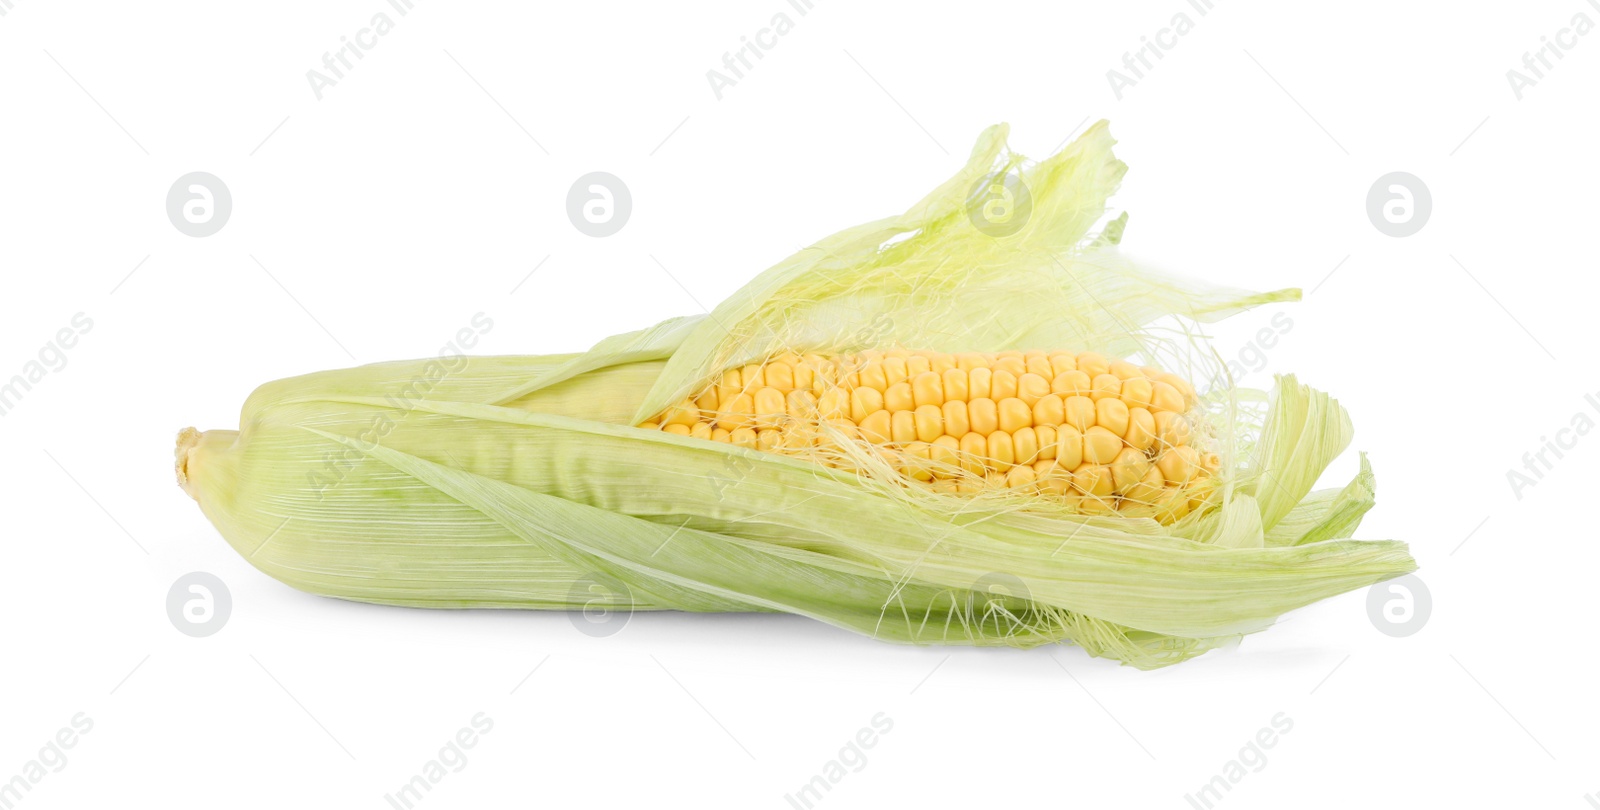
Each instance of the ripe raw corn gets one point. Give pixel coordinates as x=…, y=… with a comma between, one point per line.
x=871, y=433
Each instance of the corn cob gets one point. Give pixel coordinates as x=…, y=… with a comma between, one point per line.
x=1102, y=435
x=788, y=452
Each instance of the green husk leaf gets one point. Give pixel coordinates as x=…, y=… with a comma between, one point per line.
x=1328, y=514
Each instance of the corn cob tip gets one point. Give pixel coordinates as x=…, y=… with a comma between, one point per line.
x=188, y=440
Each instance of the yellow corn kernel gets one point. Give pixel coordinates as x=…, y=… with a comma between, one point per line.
x=846, y=428
x=873, y=376
x=918, y=364
x=1105, y=385
x=1147, y=490
x=1060, y=363
x=974, y=446
x=676, y=429
x=980, y=383
x=1047, y=440
x=945, y=453
x=1079, y=412
x=1049, y=410
x=744, y=437
x=1178, y=464
x=894, y=371
x=768, y=439
x=954, y=383
x=801, y=404
x=1025, y=444
x=1071, y=383
x=1001, y=453
x=927, y=389
x=1031, y=388
x=728, y=387
x=983, y=416
x=1054, y=480
x=1100, y=446
x=1171, y=505
x=779, y=374
x=1039, y=364
x=833, y=403
x=736, y=412
x=701, y=430
x=1124, y=370
x=1141, y=429
x=1014, y=414
x=1002, y=384
x=1093, y=364
x=955, y=418
x=1136, y=392
x=1093, y=479
x=1129, y=469
x=684, y=413
x=898, y=397
x=751, y=377
x=929, y=421
x=1112, y=415
x=916, y=461
x=1069, y=447
x=1011, y=364
x=876, y=427
x=1172, y=429
x=864, y=402
x=1166, y=398
x=1021, y=476
x=805, y=374
x=769, y=408
x=903, y=427
x=1095, y=505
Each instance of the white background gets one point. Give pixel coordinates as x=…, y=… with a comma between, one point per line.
x=427, y=184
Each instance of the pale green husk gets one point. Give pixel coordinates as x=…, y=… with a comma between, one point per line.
x=518, y=481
